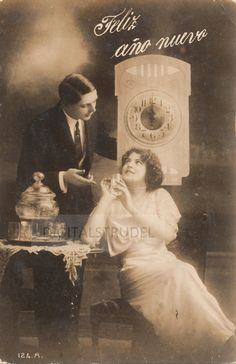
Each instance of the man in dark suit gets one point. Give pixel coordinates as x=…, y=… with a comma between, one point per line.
x=60, y=143
x=49, y=146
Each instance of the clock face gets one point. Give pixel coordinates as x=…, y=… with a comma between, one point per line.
x=152, y=117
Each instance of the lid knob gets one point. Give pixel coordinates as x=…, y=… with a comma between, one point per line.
x=38, y=177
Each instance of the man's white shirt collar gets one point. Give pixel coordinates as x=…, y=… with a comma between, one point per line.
x=71, y=123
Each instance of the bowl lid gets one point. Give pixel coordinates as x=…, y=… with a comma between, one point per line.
x=38, y=189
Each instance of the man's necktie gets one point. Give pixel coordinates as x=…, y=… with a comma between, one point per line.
x=78, y=146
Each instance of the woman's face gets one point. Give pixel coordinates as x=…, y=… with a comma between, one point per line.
x=134, y=170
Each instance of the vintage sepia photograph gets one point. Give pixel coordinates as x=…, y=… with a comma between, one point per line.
x=118, y=182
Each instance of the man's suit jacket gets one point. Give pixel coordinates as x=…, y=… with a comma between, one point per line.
x=48, y=147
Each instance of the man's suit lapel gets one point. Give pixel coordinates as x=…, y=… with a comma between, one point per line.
x=63, y=133
x=63, y=136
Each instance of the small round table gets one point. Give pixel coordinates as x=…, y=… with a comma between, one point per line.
x=73, y=254
x=58, y=275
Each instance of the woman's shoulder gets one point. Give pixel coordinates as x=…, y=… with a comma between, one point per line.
x=162, y=194
x=165, y=203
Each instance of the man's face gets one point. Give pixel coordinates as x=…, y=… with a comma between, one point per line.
x=84, y=108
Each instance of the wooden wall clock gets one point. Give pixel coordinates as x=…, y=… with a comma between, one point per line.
x=153, y=110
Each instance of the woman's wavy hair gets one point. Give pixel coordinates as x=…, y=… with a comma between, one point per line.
x=154, y=174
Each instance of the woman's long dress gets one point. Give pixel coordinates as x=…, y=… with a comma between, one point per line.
x=166, y=290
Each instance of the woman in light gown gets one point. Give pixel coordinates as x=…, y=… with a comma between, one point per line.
x=139, y=219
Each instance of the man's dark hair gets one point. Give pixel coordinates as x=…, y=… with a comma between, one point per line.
x=73, y=87
x=154, y=174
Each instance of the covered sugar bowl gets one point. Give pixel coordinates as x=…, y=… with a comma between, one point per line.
x=37, y=201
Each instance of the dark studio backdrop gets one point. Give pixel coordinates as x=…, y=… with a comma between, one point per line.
x=42, y=41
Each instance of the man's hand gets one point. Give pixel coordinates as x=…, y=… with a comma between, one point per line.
x=74, y=177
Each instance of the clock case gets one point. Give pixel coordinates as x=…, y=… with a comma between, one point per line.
x=153, y=92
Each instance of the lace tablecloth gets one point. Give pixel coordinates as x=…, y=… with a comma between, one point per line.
x=73, y=252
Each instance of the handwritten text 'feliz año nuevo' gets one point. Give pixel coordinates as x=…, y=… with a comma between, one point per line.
x=126, y=20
